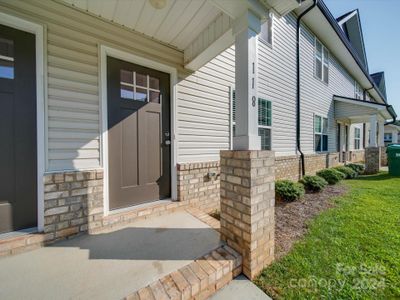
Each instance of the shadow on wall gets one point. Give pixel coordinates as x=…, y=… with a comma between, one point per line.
x=140, y=243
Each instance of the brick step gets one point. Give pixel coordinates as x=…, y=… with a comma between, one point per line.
x=198, y=280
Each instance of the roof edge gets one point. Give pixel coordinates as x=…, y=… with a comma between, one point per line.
x=335, y=25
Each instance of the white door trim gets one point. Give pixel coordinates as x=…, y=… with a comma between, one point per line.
x=38, y=31
x=129, y=57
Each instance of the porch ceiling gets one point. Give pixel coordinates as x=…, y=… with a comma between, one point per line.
x=358, y=111
x=177, y=24
x=201, y=29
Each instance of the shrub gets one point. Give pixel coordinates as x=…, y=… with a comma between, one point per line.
x=288, y=191
x=356, y=167
x=349, y=172
x=332, y=176
x=314, y=183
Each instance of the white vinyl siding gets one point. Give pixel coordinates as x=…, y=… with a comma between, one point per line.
x=73, y=110
x=317, y=96
x=203, y=110
x=277, y=83
x=203, y=97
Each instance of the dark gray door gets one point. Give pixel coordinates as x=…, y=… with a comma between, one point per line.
x=18, y=165
x=138, y=134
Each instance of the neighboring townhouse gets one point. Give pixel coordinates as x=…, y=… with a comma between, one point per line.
x=335, y=106
x=121, y=104
x=392, y=133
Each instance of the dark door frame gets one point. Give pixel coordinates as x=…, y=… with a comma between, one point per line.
x=106, y=51
x=41, y=78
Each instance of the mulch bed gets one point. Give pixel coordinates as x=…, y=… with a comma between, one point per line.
x=291, y=218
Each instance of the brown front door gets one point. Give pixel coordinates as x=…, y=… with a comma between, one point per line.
x=18, y=169
x=138, y=134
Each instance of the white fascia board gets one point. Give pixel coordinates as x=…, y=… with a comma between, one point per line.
x=377, y=106
x=347, y=18
x=380, y=108
x=236, y=8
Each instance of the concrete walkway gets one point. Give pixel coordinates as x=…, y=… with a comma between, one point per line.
x=240, y=289
x=107, y=266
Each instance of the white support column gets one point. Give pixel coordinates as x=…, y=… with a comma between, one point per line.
x=245, y=30
x=373, y=121
x=395, y=136
x=381, y=133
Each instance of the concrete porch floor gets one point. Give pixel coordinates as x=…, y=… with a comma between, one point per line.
x=110, y=265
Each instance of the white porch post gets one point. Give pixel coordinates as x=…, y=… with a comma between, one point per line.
x=246, y=29
x=395, y=136
x=381, y=134
x=373, y=120
x=373, y=152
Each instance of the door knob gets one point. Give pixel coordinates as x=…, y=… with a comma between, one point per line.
x=167, y=142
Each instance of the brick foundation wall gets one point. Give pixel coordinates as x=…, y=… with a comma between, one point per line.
x=289, y=167
x=357, y=156
x=197, y=187
x=73, y=202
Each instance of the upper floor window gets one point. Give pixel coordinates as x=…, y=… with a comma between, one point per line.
x=358, y=91
x=266, y=30
x=321, y=62
x=357, y=138
x=264, y=121
x=320, y=134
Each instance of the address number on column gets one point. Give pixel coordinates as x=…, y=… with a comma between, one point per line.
x=253, y=101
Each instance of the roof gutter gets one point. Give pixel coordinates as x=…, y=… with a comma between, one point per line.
x=298, y=110
x=332, y=21
x=392, y=112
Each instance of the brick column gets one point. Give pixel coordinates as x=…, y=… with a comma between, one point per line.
x=247, y=206
x=384, y=159
x=372, y=160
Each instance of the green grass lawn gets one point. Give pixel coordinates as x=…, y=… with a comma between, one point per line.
x=350, y=252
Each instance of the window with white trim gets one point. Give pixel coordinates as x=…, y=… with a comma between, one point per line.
x=321, y=54
x=357, y=138
x=139, y=87
x=358, y=91
x=320, y=134
x=267, y=30
x=264, y=121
